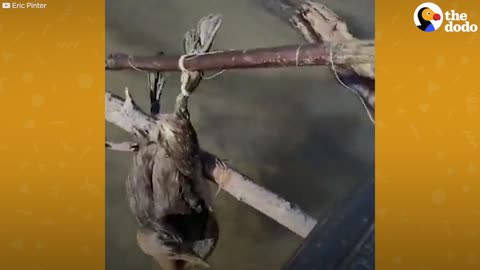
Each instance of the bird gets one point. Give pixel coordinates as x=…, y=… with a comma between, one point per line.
x=425, y=15
x=169, y=196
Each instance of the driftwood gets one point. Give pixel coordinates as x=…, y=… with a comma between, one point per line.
x=318, y=24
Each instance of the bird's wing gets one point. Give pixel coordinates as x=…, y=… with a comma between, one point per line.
x=139, y=185
x=168, y=184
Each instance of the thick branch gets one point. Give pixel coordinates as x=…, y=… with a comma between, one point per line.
x=354, y=52
x=244, y=190
x=126, y=115
x=132, y=119
x=317, y=23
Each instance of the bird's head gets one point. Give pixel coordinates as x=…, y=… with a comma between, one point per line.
x=427, y=14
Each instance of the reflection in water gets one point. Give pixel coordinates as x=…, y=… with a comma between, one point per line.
x=295, y=131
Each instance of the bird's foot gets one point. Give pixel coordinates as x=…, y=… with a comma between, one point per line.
x=221, y=163
x=140, y=133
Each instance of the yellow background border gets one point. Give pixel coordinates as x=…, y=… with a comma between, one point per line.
x=52, y=139
x=427, y=141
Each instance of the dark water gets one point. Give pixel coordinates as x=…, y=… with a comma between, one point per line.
x=295, y=131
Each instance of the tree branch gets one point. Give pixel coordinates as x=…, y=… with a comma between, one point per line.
x=346, y=53
x=319, y=24
x=132, y=119
x=127, y=116
x=245, y=190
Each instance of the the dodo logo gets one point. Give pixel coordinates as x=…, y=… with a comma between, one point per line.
x=428, y=17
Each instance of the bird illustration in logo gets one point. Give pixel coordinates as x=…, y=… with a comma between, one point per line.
x=425, y=16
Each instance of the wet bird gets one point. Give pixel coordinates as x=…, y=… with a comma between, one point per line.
x=169, y=196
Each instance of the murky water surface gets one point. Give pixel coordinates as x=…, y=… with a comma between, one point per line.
x=295, y=131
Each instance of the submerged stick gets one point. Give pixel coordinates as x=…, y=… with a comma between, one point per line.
x=354, y=52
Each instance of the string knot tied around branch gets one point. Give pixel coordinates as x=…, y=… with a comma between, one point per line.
x=197, y=41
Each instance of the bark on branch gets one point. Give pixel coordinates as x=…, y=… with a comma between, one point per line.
x=346, y=53
x=126, y=115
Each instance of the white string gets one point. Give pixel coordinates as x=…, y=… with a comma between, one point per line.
x=181, y=66
x=132, y=66
x=181, y=63
x=297, y=53
x=214, y=75
x=183, y=88
x=181, y=60
x=349, y=88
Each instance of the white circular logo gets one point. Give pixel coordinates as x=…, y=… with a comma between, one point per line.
x=428, y=17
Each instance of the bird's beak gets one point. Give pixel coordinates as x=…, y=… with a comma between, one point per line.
x=437, y=17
